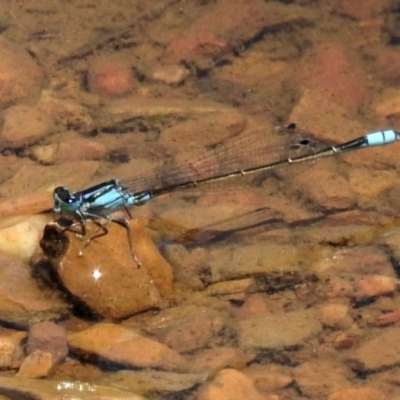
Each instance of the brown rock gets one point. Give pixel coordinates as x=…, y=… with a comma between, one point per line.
x=11, y=354
x=215, y=359
x=37, y=365
x=226, y=27
x=230, y=384
x=361, y=10
x=186, y=328
x=23, y=125
x=20, y=76
x=365, y=393
x=335, y=71
x=376, y=285
x=376, y=354
x=169, y=74
x=48, y=337
x=107, y=273
x=110, y=77
x=276, y=331
x=123, y=346
x=335, y=315
x=317, y=379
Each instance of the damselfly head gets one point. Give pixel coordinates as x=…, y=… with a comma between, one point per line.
x=64, y=201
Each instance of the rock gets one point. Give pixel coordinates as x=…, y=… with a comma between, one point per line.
x=376, y=285
x=22, y=301
x=212, y=360
x=109, y=76
x=67, y=112
x=230, y=384
x=227, y=27
x=364, y=9
x=277, y=331
x=119, y=345
x=71, y=151
x=21, y=239
x=169, y=74
x=376, y=354
x=269, y=378
x=102, y=275
x=335, y=315
x=11, y=353
x=365, y=393
x=38, y=364
x=156, y=382
x=318, y=378
x=23, y=125
x=30, y=179
x=48, y=337
x=20, y=76
x=336, y=71
x=186, y=328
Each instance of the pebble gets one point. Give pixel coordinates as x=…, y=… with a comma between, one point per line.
x=222, y=30
x=186, y=328
x=23, y=125
x=68, y=113
x=277, y=331
x=119, y=345
x=335, y=70
x=21, y=239
x=318, y=378
x=230, y=384
x=169, y=74
x=335, y=315
x=34, y=178
x=22, y=301
x=376, y=285
x=109, y=76
x=204, y=131
x=102, y=275
x=71, y=151
x=361, y=10
x=154, y=382
x=21, y=77
x=383, y=351
x=37, y=364
x=11, y=352
x=212, y=360
x=48, y=337
x=364, y=393
x=269, y=378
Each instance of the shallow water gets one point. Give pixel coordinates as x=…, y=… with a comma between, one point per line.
x=283, y=285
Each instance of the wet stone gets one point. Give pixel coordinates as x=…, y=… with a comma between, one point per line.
x=10, y=350
x=317, y=379
x=104, y=276
x=24, y=124
x=186, y=328
x=230, y=384
x=123, y=346
x=156, y=381
x=381, y=352
x=37, y=365
x=279, y=330
x=48, y=337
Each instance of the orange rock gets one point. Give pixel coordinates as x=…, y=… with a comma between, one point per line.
x=110, y=77
x=103, y=274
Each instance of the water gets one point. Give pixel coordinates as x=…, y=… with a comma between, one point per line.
x=309, y=295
